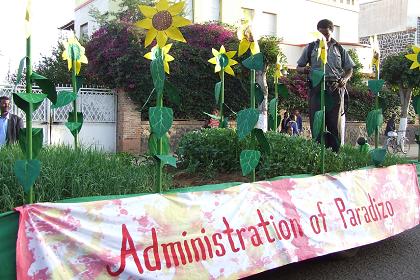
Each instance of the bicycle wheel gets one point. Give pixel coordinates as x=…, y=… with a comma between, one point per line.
x=390, y=145
x=405, y=145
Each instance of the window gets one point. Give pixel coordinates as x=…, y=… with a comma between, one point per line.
x=336, y=33
x=268, y=24
x=84, y=33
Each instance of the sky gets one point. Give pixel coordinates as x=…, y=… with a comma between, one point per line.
x=47, y=16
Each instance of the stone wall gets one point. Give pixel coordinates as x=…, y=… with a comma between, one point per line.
x=133, y=134
x=395, y=42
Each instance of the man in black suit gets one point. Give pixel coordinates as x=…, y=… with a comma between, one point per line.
x=10, y=124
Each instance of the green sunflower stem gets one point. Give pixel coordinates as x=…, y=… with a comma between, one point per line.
x=74, y=85
x=30, y=195
x=376, y=108
x=253, y=107
x=159, y=164
x=276, y=96
x=323, y=122
x=222, y=98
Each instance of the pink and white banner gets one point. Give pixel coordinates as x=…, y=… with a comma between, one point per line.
x=227, y=234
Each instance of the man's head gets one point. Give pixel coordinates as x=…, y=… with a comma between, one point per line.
x=326, y=27
x=296, y=112
x=4, y=105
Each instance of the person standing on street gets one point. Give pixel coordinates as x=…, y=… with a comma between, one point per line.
x=10, y=124
x=338, y=71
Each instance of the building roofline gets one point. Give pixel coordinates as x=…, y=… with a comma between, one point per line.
x=83, y=4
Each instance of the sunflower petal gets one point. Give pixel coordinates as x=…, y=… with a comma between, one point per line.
x=69, y=64
x=230, y=54
x=144, y=23
x=174, y=33
x=169, y=57
x=255, y=48
x=151, y=34
x=148, y=55
x=176, y=9
x=222, y=49
x=166, y=48
x=166, y=66
x=214, y=52
x=217, y=68
x=179, y=21
x=243, y=46
x=78, y=66
x=232, y=62
x=83, y=59
x=416, y=49
x=161, y=39
x=411, y=56
x=229, y=70
x=147, y=11
x=162, y=5
x=212, y=60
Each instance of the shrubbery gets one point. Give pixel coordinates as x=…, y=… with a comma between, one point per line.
x=219, y=149
x=66, y=173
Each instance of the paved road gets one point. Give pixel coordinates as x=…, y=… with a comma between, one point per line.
x=395, y=258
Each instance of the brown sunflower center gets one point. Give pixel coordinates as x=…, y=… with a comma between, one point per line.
x=162, y=20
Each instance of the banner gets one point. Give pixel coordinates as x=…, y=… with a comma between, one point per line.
x=229, y=233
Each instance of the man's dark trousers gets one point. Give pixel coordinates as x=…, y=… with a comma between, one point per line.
x=334, y=103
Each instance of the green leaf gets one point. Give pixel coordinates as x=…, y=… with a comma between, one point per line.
x=157, y=70
x=64, y=98
x=153, y=142
x=27, y=171
x=317, y=126
x=246, y=121
x=46, y=85
x=375, y=86
x=20, y=71
x=262, y=140
x=23, y=104
x=217, y=91
x=212, y=116
x=259, y=94
x=249, y=160
x=271, y=123
x=73, y=126
x=378, y=156
x=316, y=77
x=416, y=104
x=160, y=119
x=283, y=90
x=37, y=140
x=374, y=121
x=255, y=62
x=167, y=160
x=32, y=98
x=272, y=107
x=173, y=93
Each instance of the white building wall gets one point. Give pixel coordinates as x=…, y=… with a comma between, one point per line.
x=413, y=13
x=385, y=16
x=81, y=15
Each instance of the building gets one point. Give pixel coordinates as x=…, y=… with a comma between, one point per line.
x=396, y=22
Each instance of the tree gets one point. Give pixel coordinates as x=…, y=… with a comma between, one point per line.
x=396, y=72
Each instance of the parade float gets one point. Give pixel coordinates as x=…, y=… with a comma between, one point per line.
x=224, y=231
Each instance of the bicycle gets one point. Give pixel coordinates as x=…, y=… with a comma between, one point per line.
x=393, y=146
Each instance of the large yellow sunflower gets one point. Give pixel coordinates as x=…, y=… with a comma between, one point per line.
x=414, y=57
x=74, y=51
x=162, y=21
x=223, y=60
x=166, y=56
x=248, y=41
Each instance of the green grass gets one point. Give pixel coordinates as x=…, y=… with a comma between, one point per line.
x=66, y=173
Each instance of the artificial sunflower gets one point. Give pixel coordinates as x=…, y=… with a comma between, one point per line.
x=322, y=50
x=248, y=41
x=73, y=51
x=162, y=22
x=279, y=67
x=414, y=57
x=374, y=43
x=166, y=56
x=223, y=60
x=28, y=30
